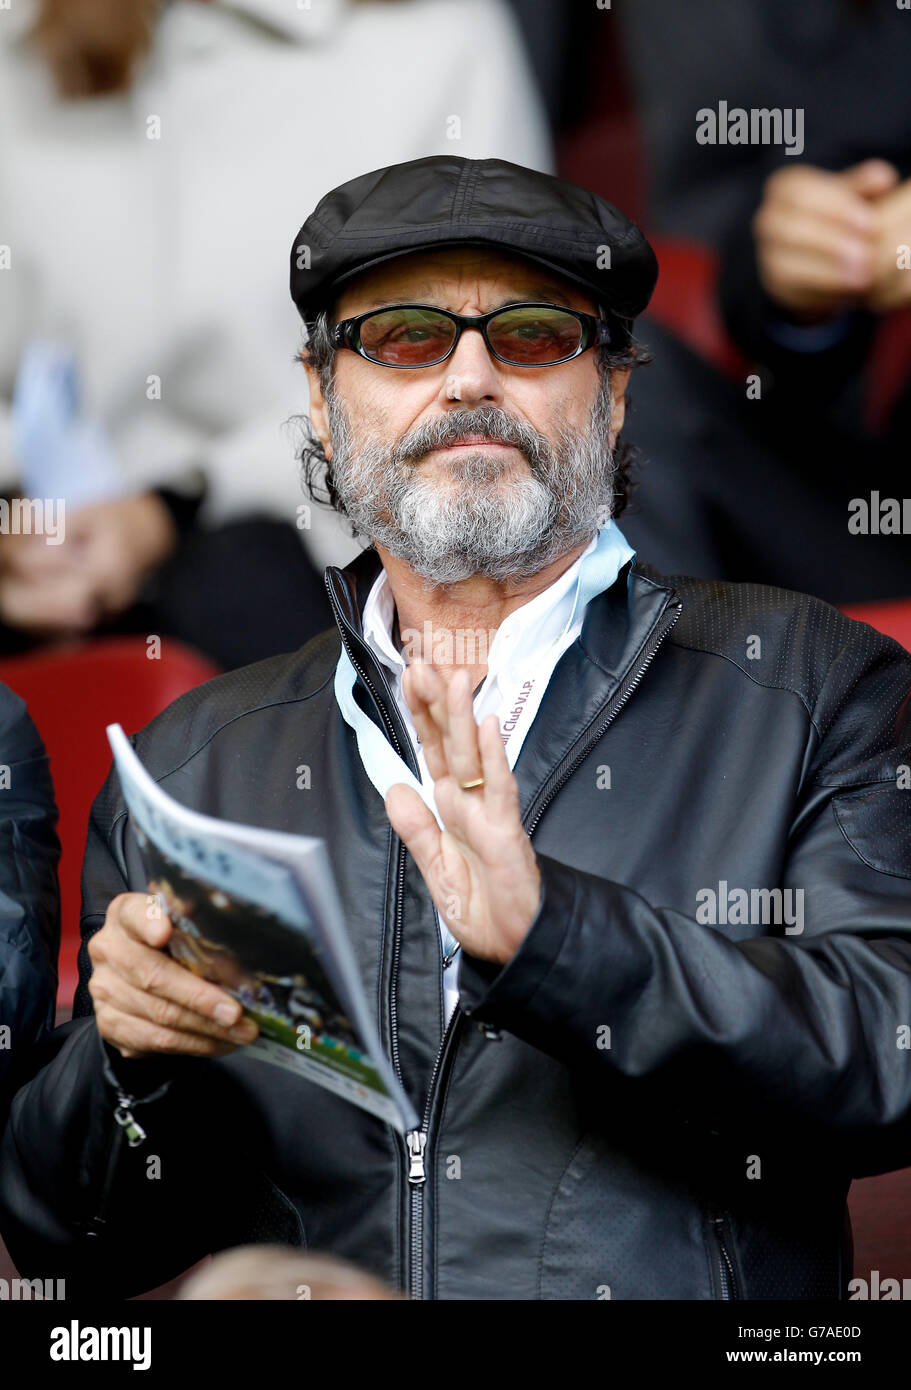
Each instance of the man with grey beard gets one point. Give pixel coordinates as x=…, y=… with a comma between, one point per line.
x=522, y=828
x=563, y=497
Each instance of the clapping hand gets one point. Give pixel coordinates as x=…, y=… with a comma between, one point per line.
x=481, y=870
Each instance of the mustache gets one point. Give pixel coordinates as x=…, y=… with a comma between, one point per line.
x=490, y=421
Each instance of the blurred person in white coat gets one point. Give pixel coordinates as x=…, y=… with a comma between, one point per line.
x=148, y=366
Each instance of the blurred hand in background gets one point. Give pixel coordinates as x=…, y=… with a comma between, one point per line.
x=892, y=277
x=109, y=551
x=825, y=241
x=112, y=539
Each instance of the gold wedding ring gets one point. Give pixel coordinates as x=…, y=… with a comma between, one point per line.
x=472, y=785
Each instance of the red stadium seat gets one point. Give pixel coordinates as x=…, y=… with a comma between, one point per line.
x=892, y=616
x=72, y=693
x=880, y=1210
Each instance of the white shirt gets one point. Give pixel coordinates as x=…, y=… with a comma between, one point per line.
x=152, y=230
x=526, y=648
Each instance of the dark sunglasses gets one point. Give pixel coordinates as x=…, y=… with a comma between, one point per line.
x=418, y=335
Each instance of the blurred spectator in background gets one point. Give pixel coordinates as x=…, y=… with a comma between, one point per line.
x=558, y=39
x=752, y=474
x=843, y=62
x=29, y=899
x=267, y=1272
x=147, y=345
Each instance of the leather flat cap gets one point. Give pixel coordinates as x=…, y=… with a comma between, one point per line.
x=445, y=200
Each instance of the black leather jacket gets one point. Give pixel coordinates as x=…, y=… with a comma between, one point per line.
x=699, y=738
x=29, y=894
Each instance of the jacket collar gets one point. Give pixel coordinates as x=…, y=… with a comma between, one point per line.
x=622, y=625
x=357, y=579
x=623, y=628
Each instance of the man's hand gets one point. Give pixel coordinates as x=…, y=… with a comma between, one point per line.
x=109, y=550
x=145, y=1003
x=818, y=236
x=892, y=284
x=481, y=869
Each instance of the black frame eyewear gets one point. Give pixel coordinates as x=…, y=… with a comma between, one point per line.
x=347, y=333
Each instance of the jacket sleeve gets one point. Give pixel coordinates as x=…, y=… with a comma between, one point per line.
x=29, y=896
x=76, y=1200
x=782, y=1038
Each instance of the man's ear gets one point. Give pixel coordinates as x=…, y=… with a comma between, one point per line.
x=618, y=380
x=319, y=415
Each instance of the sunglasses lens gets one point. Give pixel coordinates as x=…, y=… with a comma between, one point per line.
x=406, y=337
x=534, y=336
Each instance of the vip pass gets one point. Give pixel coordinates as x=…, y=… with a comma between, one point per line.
x=516, y=713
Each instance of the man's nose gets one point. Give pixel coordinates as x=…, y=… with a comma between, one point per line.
x=470, y=374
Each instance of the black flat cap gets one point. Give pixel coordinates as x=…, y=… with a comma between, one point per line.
x=445, y=200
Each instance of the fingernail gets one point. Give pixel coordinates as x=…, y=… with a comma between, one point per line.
x=226, y=1014
x=245, y=1031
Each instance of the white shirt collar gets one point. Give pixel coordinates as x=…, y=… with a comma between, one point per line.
x=524, y=633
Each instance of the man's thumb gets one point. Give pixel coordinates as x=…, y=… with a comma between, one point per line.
x=871, y=178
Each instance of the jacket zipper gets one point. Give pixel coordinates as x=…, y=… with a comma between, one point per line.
x=125, y=1127
x=726, y=1276
x=416, y=1140
x=370, y=684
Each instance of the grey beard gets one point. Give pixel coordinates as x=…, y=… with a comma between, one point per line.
x=503, y=530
